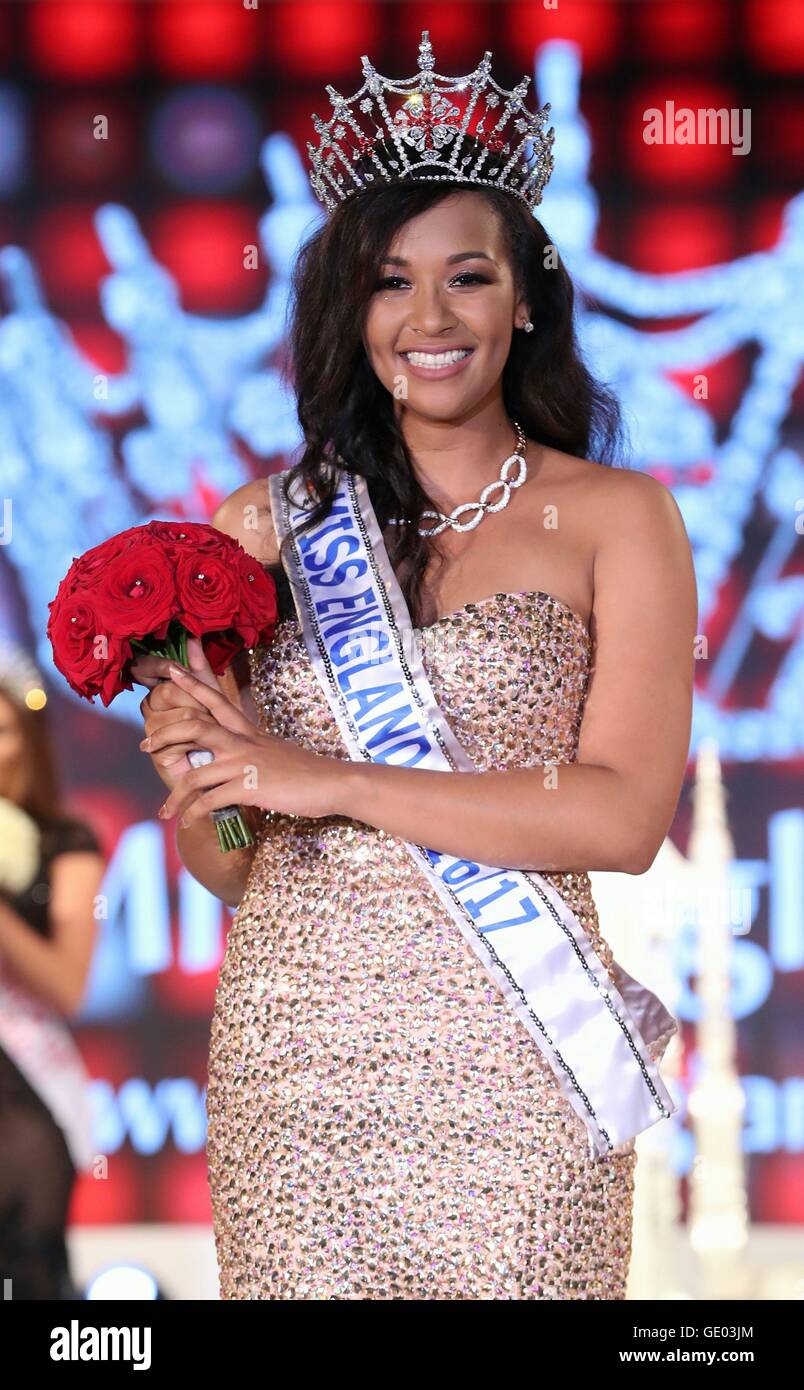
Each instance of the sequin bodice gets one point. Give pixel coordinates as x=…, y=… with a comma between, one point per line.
x=381, y=1124
x=510, y=674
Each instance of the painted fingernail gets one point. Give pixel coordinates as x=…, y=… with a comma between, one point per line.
x=175, y=671
x=162, y=812
x=146, y=743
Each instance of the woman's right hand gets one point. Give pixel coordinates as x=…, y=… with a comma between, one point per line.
x=165, y=703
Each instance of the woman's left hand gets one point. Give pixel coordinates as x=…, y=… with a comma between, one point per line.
x=250, y=768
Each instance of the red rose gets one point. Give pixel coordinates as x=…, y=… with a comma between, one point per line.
x=188, y=535
x=206, y=592
x=220, y=648
x=71, y=581
x=137, y=596
x=73, y=630
x=86, y=569
x=120, y=650
x=256, y=616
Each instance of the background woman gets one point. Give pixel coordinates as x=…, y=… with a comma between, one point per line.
x=47, y=935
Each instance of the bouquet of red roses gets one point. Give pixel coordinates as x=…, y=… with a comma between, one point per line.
x=145, y=590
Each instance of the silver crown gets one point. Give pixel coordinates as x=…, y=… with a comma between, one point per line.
x=428, y=132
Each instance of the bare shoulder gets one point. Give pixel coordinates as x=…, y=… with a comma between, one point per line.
x=582, y=485
x=628, y=500
x=626, y=531
x=246, y=515
x=642, y=553
x=608, y=500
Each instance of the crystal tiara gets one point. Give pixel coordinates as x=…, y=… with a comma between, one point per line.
x=427, y=134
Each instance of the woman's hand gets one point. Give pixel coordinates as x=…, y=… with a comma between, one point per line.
x=250, y=768
x=167, y=705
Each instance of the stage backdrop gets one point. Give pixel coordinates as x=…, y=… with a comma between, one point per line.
x=153, y=197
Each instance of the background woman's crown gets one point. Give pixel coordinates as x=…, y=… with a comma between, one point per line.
x=426, y=138
x=19, y=674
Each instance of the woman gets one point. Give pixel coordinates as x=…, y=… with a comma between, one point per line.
x=381, y=1123
x=47, y=933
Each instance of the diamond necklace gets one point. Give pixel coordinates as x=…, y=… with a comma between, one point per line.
x=483, y=505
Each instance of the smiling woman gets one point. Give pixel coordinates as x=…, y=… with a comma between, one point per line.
x=426, y=1069
x=439, y=359
x=436, y=268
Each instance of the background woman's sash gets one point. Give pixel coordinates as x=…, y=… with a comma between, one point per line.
x=43, y=1050
x=358, y=631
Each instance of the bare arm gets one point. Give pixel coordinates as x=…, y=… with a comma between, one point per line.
x=612, y=809
x=56, y=968
x=223, y=875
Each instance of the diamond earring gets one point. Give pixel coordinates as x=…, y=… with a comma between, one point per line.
x=528, y=327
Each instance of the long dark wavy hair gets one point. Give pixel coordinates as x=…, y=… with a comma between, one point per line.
x=347, y=415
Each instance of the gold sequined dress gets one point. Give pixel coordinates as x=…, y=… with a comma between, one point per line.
x=380, y=1124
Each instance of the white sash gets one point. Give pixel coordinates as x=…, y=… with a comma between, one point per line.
x=354, y=618
x=42, y=1048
